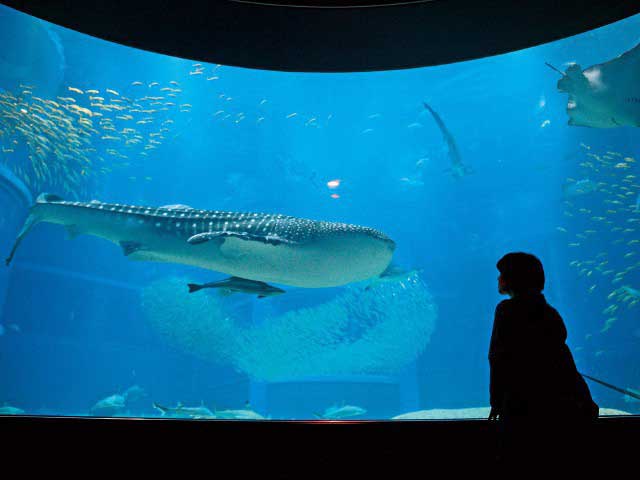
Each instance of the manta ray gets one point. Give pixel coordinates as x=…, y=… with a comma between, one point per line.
x=606, y=95
x=254, y=246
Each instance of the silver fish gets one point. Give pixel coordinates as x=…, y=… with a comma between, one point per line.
x=255, y=246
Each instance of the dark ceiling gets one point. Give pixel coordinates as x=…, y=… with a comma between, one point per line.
x=330, y=36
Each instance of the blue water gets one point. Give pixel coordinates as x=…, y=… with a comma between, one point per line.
x=81, y=322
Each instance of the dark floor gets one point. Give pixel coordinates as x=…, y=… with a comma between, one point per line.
x=278, y=449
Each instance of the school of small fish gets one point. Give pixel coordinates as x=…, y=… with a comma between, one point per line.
x=602, y=231
x=65, y=143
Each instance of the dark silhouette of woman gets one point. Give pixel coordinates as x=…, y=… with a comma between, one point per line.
x=542, y=404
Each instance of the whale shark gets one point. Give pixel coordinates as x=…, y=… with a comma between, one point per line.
x=255, y=246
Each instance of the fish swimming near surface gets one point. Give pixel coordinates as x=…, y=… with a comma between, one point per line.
x=458, y=168
x=253, y=246
x=242, y=285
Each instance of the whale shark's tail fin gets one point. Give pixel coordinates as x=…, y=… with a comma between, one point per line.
x=31, y=220
x=26, y=228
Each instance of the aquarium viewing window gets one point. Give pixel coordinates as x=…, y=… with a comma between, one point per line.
x=195, y=240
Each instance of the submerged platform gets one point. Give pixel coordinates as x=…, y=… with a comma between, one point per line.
x=282, y=449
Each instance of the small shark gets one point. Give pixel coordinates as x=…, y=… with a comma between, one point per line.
x=458, y=169
x=180, y=411
x=245, y=414
x=253, y=246
x=336, y=413
x=134, y=393
x=110, y=406
x=7, y=409
x=236, y=284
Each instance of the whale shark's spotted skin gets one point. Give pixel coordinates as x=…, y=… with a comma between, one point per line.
x=189, y=221
x=256, y=246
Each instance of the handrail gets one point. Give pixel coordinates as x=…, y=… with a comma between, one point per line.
x=612, y=387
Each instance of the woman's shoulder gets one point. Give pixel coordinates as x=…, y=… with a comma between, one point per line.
x=505, y=306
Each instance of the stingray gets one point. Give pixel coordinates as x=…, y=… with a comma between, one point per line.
x=605, y=95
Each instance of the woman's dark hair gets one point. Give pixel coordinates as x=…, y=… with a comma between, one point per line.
x=522, y=272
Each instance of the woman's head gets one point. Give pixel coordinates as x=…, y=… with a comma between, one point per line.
x=520, y=273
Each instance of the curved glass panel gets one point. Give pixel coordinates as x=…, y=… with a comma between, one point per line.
x=127, y=176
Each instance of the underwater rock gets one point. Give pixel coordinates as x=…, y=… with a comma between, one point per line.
x=606, y=95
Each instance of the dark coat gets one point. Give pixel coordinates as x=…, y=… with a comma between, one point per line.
x=533, y=373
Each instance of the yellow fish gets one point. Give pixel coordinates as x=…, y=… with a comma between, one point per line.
x=76, y=90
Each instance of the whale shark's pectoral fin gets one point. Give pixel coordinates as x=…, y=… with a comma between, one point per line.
x=130, y=247
x=205, y=237
x=220, y=236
